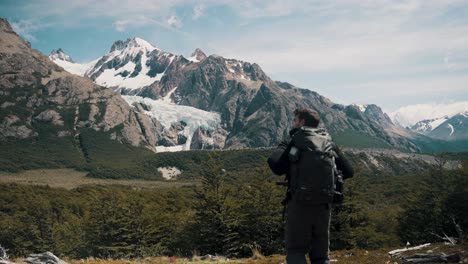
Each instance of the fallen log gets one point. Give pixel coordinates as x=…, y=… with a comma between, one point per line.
x=431, y=258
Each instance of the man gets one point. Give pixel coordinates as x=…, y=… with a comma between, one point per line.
x=309, y=160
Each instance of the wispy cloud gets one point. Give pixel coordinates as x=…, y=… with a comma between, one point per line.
x=173, y=21
x=26, y=29
x=349, y=42
x=411, y=114
x=120, y=25
x=198, y=11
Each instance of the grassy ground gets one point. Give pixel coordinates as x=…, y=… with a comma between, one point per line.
x=70, y=179
x=345, y=257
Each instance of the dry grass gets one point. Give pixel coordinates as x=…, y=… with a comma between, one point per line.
x=345, y=257
x=156, y=260
x=70, y=179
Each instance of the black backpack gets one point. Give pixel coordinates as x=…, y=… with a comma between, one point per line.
x=314, y=178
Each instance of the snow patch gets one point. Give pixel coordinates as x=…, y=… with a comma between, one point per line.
x=451, y=129
x=429, y=125
x=362, y=108
x=145, y=44
x=434, y=124
x=193, y=58
x=168, y=113
x=167, y=99
x=112, y=77
x=169, y=173
x=75, y=68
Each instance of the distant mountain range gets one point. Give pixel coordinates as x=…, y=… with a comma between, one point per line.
x=167, y=102
x=254, y=111
x=450, y=128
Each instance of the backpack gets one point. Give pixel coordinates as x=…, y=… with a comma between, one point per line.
x=314, y=176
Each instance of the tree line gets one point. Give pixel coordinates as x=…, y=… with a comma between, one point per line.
x=228, y=213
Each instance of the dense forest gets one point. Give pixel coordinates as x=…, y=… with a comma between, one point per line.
x=230, y=212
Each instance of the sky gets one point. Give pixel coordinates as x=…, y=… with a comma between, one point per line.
x=390, y=53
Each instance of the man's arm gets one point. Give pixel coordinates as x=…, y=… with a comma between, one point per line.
x=343, y=164
x=278, y=161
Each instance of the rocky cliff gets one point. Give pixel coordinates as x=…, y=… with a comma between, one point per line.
x=38, y=97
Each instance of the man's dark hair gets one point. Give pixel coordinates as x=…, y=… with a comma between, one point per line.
x=311, y=117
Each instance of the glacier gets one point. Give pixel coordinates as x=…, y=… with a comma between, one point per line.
x=167, y=113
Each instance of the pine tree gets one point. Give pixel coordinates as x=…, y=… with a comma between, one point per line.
x=216, y=223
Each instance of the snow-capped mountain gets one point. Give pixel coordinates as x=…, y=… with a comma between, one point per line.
x=246, y=107
x=454, y=128
x=197, y=56
x=59, y=54
x=59, y=105
x=65, y=61
x=428, y=125
x=130, y=65
x=408, y=116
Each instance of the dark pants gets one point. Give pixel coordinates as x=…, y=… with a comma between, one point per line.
x=307, y=232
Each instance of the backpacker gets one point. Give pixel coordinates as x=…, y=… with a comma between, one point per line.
x=314, y=178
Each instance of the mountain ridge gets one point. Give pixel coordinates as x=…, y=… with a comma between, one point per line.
x=246, y=98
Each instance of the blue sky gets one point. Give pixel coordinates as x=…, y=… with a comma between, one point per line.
x=391, y=53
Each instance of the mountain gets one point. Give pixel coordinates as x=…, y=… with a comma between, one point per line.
x=454, y=128
x=65, y=61
x=408, y=116
x=427, y=125
x=448, y=128
x=40, y=100
x=59, y=54
x=254, y=110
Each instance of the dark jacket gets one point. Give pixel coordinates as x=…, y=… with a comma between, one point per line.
x=300, y=138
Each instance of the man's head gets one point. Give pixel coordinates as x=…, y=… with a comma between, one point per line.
x=306, y=117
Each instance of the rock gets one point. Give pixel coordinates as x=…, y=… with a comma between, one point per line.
x=29, y=80
x=44, y=258
x=7, y=104
x=9, y=129
x=4, y=256
x=50, y=116
x=203, y=139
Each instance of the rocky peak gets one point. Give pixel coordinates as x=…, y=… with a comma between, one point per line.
x=59, y=54
x=427, y=125
x=376, y=113
x=198, y=55
x=53, y=94
x=132, y=43
x=5, y=26
x=117, y=45
x=255, y=72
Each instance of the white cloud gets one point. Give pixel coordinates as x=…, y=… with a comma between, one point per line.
x=120, y=25
x=26, y=29
x=345, y=44
x=411, y=114
x=427, y=85
x=173, y=21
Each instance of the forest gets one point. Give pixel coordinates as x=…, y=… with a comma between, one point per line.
x=228, y=212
